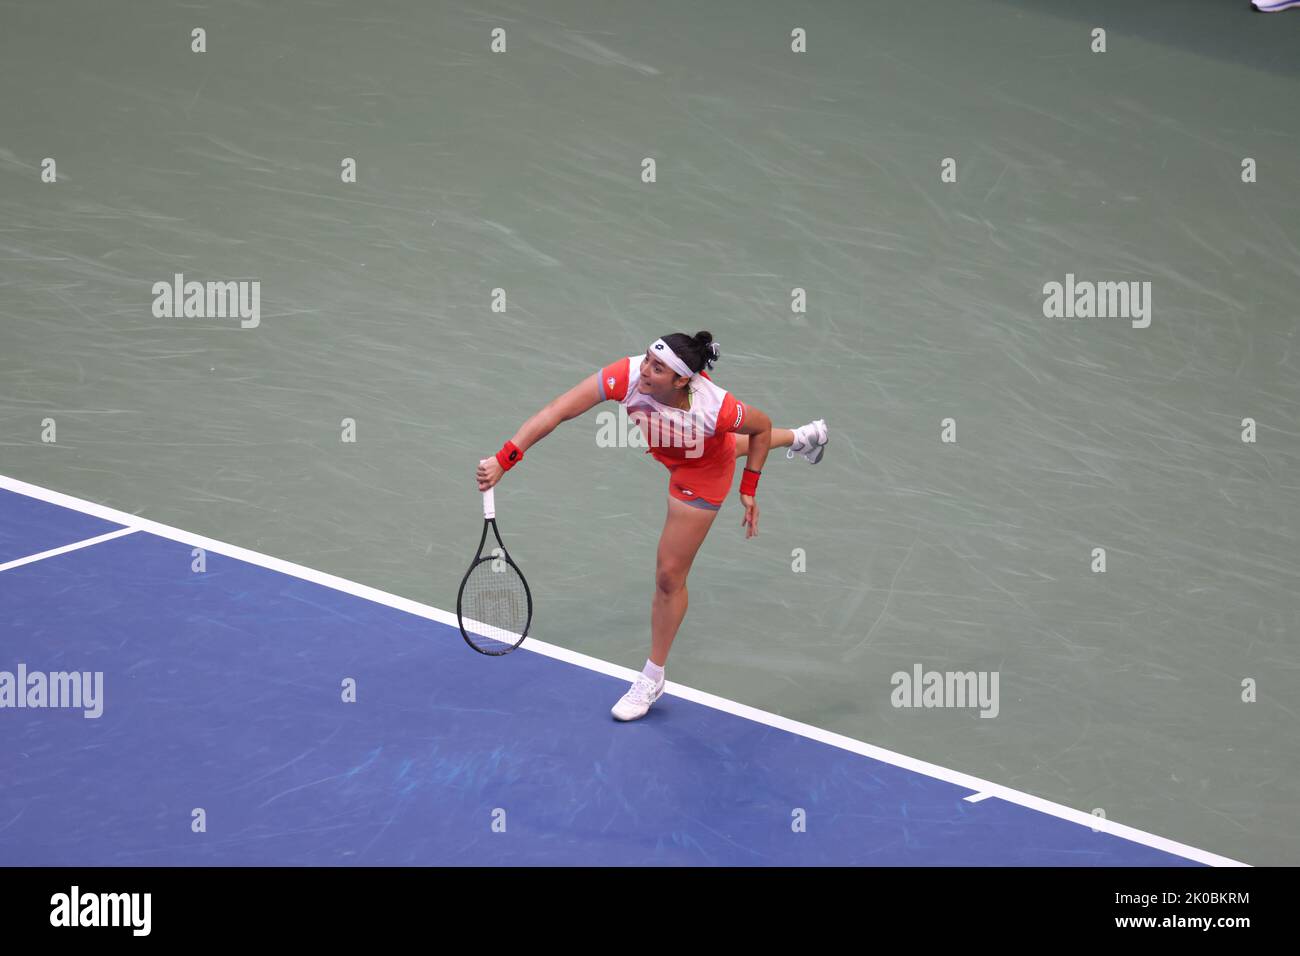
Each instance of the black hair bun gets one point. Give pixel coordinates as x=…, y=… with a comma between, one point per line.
x=708, y=348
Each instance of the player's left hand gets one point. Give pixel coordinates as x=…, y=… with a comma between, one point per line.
x=750, y=521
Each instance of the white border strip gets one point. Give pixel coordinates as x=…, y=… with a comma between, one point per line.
x=19, y=562
x=981, y=788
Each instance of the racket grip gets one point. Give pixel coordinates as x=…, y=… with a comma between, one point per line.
x=489, y=498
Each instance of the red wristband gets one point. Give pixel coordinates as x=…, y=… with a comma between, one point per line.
x=749, y=481
x=509, y=455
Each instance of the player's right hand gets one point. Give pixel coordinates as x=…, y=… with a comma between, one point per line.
x=489, y=473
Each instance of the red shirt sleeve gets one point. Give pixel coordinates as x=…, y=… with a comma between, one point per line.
x=613, y=379
x=731, y=415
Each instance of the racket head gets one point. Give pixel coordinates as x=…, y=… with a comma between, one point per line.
x=494, y=606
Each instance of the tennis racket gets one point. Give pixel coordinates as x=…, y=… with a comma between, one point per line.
x=494, y=606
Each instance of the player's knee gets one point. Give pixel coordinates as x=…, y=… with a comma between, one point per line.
x=670, y=578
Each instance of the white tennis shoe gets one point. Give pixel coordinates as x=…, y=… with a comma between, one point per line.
x=636, y=702
x=810, y=441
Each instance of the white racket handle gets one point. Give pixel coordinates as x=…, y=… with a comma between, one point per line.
x=489, y=503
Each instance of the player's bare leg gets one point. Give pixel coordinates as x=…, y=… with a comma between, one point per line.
x=781, y=438
x=684, y=531
x=806, y=440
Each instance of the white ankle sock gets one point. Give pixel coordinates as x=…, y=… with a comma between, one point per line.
x=653, y=671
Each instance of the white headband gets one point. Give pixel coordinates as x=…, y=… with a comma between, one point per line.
x=660, y=350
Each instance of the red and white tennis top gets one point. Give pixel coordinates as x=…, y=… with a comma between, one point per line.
x=696, y=435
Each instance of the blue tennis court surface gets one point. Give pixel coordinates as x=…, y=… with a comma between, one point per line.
x=223, y=689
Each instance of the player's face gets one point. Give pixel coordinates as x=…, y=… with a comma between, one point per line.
x=656, y=377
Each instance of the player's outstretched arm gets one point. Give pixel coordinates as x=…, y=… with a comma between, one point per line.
x=576, y=401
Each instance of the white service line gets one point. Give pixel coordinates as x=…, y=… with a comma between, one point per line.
x=19, y=562
x=981, y=788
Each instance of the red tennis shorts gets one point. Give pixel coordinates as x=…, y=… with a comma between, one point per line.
x=704, y=484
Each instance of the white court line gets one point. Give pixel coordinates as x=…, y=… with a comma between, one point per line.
x=977, y=797
x=980, y=787
x=18, y=563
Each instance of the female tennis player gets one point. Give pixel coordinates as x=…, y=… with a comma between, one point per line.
x=697, y=430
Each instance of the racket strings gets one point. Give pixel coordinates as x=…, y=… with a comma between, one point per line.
x=494, y=602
